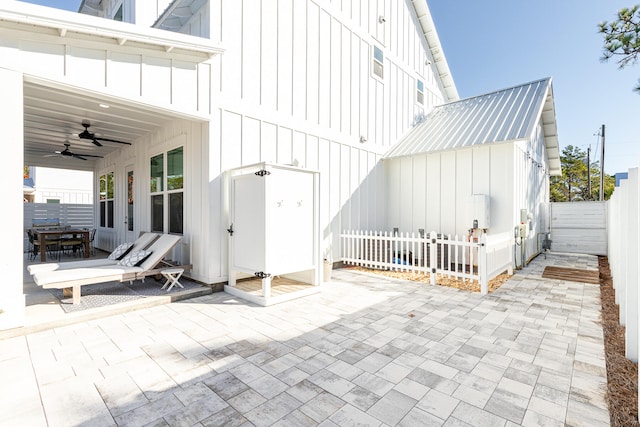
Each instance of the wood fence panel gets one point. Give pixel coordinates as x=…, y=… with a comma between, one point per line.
x=579, y=227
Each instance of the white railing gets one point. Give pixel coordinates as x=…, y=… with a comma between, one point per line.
x=464, y=258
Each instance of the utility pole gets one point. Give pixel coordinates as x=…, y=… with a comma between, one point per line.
x=602, y=166
x=589, y=171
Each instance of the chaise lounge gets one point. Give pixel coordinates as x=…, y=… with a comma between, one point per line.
x=136, y=265
x=144, y=240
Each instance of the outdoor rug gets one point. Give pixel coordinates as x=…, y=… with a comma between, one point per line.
x=571, y=274
x=103, y=294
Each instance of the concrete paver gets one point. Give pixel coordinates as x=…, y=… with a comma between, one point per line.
x=368, y=350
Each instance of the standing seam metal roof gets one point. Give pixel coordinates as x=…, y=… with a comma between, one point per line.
x=506, y=115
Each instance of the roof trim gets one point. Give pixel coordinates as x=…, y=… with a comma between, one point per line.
x=506, y=115
x=435, y=48
x=64, y=21
x=547, y=116
x=177, y=14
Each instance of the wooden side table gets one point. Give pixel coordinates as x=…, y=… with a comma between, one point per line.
x=172, y=275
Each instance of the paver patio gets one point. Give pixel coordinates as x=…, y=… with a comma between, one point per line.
x=368, y=350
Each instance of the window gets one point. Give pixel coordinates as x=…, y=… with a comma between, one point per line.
x=107, y=195
x=420, y=92
x=167, y=199
x=118, y=15
x=378, y=62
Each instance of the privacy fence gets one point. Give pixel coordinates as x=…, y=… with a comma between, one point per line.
x=624, y=253
x=74, y=215
x=464, y=258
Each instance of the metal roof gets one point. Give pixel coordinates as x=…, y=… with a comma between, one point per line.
x=506, y=115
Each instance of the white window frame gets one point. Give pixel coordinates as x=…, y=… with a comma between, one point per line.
x=107, y=200
x=419, y=92
x=165, y=192
x=376, y=61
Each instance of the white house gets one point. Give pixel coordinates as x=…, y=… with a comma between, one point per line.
x=499, y=148
x=300, y=82
x=184, y=90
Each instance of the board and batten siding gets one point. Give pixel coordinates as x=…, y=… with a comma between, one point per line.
x=432, y=191
x=579, y=227
x=174, y=81
x=296, y=86
x=196, y=246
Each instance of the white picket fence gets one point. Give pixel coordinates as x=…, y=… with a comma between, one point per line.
x=477, y=260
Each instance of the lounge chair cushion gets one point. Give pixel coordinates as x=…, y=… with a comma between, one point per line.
x=121, y=251
x=135, y=258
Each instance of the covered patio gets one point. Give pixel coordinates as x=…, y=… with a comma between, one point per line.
x=98, y=95
x=51, y=308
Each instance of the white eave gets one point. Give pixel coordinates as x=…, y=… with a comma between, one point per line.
x=65, y=22
x=177, y=14
x=433, y=42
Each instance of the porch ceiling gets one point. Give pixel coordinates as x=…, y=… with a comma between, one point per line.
x=53, y=116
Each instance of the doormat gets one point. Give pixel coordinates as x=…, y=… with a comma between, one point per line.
x=104, y=294
x=572, y=274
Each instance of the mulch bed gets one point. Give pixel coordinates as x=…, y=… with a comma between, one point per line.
x=442, y=280
x=622, y=373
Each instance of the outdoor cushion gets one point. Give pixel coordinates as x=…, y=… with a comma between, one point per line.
x=142, y=242
x=120, y=252
x=132, y=259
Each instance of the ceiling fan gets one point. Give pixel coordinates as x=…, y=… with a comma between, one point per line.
x=85, y=134
x=68, y=153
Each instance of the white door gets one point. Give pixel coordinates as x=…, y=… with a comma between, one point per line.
x=129, y=217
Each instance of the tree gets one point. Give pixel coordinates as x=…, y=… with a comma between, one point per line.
x=573, y=185
x=570, y=185
x=622, y=38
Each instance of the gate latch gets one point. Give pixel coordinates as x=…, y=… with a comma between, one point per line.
x=262, y=274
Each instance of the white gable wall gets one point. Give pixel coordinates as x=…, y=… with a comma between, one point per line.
x=295, y=86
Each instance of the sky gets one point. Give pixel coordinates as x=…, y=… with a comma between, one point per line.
x=496, y=44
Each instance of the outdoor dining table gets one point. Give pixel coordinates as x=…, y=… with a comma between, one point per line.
x=43, y=234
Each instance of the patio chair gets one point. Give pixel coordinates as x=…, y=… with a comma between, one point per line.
x=144, y=240
x=71, y=245
x=52, y=245
x=136, y=265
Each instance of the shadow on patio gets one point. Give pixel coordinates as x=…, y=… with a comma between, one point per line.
x=368, y=350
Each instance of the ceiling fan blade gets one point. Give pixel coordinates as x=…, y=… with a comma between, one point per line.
x=90, y=155
x=96, y=142
x=78, y=156
x=111, y=140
